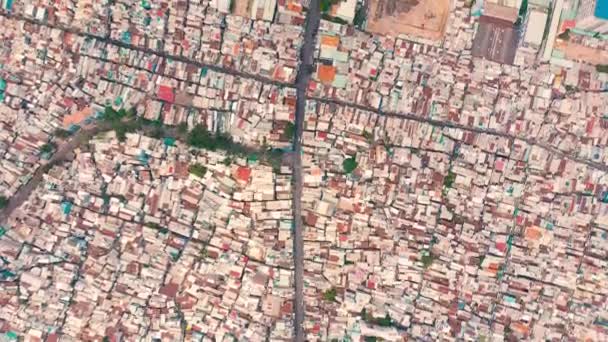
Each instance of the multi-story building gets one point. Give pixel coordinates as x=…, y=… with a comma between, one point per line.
x=593, y=16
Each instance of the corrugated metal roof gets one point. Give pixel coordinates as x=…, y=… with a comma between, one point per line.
x=339, y=81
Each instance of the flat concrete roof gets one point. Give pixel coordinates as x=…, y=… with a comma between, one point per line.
x=536, y=27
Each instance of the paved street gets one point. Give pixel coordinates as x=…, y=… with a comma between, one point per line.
x=304, y=73
x=447, y=124
x=305, y=70
x=214, y=67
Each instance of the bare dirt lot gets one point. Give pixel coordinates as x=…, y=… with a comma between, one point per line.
x=422, y=18
x=241, y=8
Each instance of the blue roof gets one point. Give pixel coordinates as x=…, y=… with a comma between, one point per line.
x=67, y=207
x=601, y=9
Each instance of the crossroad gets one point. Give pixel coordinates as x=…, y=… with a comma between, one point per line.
x=305, y=70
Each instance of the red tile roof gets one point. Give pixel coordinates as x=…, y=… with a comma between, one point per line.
x=243, y=173
x=166, y=93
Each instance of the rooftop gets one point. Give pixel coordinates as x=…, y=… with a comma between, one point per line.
x=601, y=9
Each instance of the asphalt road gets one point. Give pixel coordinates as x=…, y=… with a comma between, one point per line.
x=305, y=70
x=447, y=124
x=119, y=43
x=306, y=67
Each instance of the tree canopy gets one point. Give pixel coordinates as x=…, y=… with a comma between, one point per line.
x=349, y=164
x=330, y=295
x=197, y=170
x=3, y=202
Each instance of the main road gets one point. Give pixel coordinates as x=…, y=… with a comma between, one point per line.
x=305, y=70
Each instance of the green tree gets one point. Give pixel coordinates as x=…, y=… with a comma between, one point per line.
x=325, y=5
x=182, y=129
x=224, y=142
x=62, y=133
x=427, y=259
x=602, y=68
x=360, y=16
x=121, y=132
x=109, y=114
x=132, y=112
x=157, y=132
x=385, y=321
x=481, y=259
x=336, y=20
x=197, y=170
x=349, y=165
x=330, y=295
x=564, y=35
x=448, y=181
x=227, y=161
x=122, y=121
x=366, y=317
x=523, y=8
x=48, y=147
x=290, y=131
x=3, y=202
x=200, y=137
x=274, y=157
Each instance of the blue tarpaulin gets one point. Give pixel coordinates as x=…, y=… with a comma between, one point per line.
x=66, y=207
x=169, y=142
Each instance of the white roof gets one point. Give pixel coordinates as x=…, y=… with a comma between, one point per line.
x=536, y=28
x=346, y=10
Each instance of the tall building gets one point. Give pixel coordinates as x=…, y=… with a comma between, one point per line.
x=593, y=16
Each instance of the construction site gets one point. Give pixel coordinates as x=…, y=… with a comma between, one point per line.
x=421, y=18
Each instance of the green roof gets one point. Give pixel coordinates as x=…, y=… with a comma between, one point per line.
x=169, y=141
x=339, y=81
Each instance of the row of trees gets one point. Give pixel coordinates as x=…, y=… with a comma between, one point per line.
x=124, y=121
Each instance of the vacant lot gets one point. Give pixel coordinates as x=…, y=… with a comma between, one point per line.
x=241, y=8
x=422, y=18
